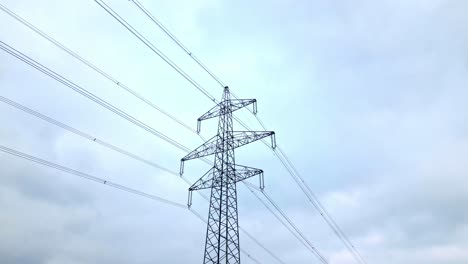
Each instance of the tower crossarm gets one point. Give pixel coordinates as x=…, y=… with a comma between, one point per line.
x=206, y=149
x=220, y=109
x=242, y=138
x=235, y=104
x=206, y=181
x=239, y=138
x=244, y=172
x=241, y=173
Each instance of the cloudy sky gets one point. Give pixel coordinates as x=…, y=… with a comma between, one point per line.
x=368, y=99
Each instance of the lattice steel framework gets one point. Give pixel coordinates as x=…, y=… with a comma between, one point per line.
x=222, y=235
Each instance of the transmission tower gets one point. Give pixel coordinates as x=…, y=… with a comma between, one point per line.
x=222, y=234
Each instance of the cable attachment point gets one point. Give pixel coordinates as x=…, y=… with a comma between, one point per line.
x=273, y=141
x=262, y=182
x=255, y=107
x=189, y=200
x=198, y=125
x=181, y=167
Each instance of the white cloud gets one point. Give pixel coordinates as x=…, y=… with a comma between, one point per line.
x=367, y=97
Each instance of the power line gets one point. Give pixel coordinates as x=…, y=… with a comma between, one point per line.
x=314, y=201
x=182, y=46
x=143, y=39
x=92, y=66
x=151, y=46
x=301, y=236
x=108, y=76
x=164, y=57
x=285, y=161
x=318, y=254
x=84, y=135
x=249, y=187
x=88, y=176
x=95, y=68
x=124, y=23
x=258, y=243
x=38, y=66
x=105, y=182
x=321, y=209
x=119, y=150
x=309, y=245
x=137, y=34
x=89, y=95
x=312, y=198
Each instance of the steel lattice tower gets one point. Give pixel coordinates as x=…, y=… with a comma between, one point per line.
x=222, y=235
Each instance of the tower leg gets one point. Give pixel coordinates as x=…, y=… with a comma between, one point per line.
x=222, y=236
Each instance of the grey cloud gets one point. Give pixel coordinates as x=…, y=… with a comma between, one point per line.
x=367, y=98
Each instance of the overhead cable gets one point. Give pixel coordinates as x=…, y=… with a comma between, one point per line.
x=38, y=66
x=309, y=245
x=105, y=182
x=67, y=83
x=322, y=211
x=312, y=198
x=85, y=135
x=121, y=151
x=89, y=177
x=170, y=35
x=130, y=28
x=94, y=67
x=145, y=41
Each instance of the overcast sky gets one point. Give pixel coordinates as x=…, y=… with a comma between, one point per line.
x=368, y=99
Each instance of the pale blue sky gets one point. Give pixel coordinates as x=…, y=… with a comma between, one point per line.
x=368, y=98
